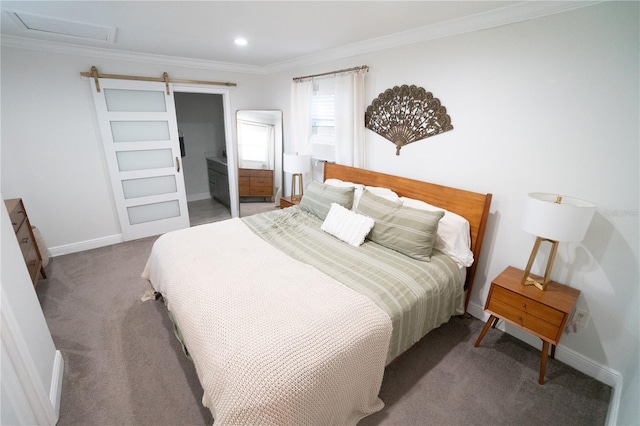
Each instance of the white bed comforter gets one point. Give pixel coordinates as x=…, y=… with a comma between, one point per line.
x=274, y=341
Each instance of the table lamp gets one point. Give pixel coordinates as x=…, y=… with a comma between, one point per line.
x=553, y=218
x=297, y=165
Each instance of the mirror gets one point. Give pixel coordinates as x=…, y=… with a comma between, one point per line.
x=259, y=148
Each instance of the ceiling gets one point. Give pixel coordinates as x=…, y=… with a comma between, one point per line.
x=280, y=34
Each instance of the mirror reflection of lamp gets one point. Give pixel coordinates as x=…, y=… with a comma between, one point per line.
x=297, y=165
x=553, y=218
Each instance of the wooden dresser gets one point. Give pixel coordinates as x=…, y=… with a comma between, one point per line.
x=541, y=313
x=24, y=234
x=256, y=183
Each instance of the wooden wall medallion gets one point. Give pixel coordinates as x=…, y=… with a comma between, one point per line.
x=406, y=114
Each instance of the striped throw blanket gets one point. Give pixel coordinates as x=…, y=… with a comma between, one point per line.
x=418, y=296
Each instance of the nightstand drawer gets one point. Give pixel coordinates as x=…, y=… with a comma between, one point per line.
x=261, y=181
x=17, y=216
x=260, y=190
x=527, y=305
x=24, y=239
x=525, y=320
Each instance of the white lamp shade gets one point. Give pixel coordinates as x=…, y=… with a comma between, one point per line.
x=564, y=221
x=296, y=163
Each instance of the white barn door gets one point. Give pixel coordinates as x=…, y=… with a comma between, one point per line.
x=140, y=137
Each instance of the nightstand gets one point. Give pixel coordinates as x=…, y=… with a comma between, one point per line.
x=287, y=202
x=541, y=313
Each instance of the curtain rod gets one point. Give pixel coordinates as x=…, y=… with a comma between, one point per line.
x=165, y=78
x=360, y=68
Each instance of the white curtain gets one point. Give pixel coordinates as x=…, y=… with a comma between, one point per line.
x=301, y=116
x=348, y=148
x=301, y=93
x=271, y=145
x=349, y=119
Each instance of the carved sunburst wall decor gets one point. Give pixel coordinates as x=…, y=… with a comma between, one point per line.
x=406, y=114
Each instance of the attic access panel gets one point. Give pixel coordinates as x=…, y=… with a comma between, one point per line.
x=406, y=114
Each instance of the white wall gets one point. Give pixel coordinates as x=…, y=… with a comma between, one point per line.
x=52, y=151
x=31, y=365
x=545, y=105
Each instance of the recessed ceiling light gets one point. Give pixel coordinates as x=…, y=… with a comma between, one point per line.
x=240, y=41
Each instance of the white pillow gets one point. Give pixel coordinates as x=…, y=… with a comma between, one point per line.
x=384, y=193
x=359, y=189
x=453, y=237
x=348, y=226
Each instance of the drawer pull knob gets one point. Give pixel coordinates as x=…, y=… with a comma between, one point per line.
x=519, y=318
x=524, y=305
x=25, y=240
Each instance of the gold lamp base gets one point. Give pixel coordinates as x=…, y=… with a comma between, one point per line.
x=527, y=279
x=296, y=178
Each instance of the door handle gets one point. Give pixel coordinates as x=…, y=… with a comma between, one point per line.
x=178, y=164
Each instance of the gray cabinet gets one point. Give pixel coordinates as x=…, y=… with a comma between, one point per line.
x=219, y=181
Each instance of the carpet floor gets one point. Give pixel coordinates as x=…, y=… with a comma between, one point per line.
x=124, y=366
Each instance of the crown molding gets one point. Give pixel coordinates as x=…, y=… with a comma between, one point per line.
x=146, y=58
x=522, y=11
x=510, y=14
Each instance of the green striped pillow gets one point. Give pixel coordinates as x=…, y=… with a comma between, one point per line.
x=318, y=197
x=407, y=230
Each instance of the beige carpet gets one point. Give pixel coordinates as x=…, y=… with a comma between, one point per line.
x=124, y=366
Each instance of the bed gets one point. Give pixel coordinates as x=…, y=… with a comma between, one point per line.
x=289, y=320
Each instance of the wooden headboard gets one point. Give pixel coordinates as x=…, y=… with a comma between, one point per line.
x=471, y=205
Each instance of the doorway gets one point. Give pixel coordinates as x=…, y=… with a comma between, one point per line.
x=201, y=129
x=207, y=151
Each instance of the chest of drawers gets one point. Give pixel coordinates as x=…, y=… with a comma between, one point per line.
x=255, y=183
x=26, y=240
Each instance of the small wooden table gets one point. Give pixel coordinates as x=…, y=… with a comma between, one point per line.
x=541, y=313
x=288, y=202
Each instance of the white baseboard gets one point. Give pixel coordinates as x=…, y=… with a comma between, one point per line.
x=198, y=197
x=55, y=393
x=106, y=241
x=567, y=356
x=85, y=245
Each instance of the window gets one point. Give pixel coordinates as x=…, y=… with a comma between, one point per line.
x=323, y=122
x=253, y=149
x=327, y=117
